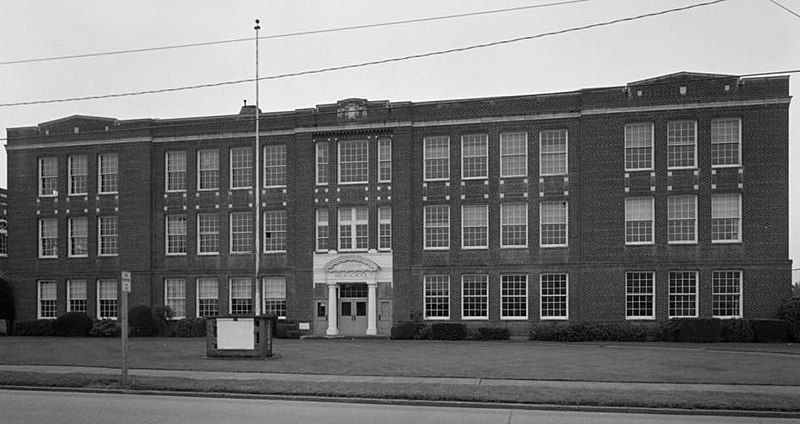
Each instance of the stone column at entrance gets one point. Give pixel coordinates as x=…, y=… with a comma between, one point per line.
x=333, y=313
x=372, y=313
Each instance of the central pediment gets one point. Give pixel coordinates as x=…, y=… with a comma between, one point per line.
x=352, y=264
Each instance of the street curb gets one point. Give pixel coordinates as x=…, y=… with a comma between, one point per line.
x=419, y=402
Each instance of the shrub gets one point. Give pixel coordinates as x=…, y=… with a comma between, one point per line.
x=448, y=331
x=105, y=328
x=293, y=334
x=698, y=330
x=73, y=324
x=42, y=327
x=737, y=330
x=141, y=322
x=163, y=314
x=770, y=330
x=790, y=312
x=282, y=329
x=582, y=332
x=190, y=327
x=6, y=301
x=406, y=330
x=491, y=333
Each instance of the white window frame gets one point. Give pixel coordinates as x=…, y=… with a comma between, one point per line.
x=167, y=234
x=176, y=316
x=230, y=234
x=653, y=296
x=70, y=236
x=70, y=296
x=738, y=239
x=230, y=293
x=694, y=241
x=266, y=228
x=504, y=317
x=503, y=244
x=197, y=297
x=694, y=166
x=424, y=298
x=70, y=174
x=381, y=147
x=41, y=239
x=100, y=173
x=483, y=247
x=541, y=297
x=696, y=294
x=40, y=188
x=201, y=169
x=566, y=154
x=200, y=233
x=230, y=168
x=383, y=221
x=652, y=222
x=317, y=227
x=484, y=317
x=265, y=298
x=167, y=155
x=354, y=222
x=425, y=141
x=339, y=162
x=116, y=286
x=741, y=294
x=738, y=165
x=317, y=147
x=266, y=167
x=652, y=147
x=100, y=236
x=566, y=223
x=504, y=155
x=485, y=175
x=425, y=228
x=39, y=299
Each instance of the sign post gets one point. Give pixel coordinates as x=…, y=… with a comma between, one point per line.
x=126, y=288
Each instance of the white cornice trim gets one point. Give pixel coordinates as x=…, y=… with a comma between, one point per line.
x=698, y=105
x=80, y=143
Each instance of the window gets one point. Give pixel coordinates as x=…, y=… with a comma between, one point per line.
x=639, y=146
x=76, y=296
x=555, y=296
x=353, y=229
x=207, y=297
x=107, y=299
x=437, y=158
x=682, y=219
x=48, y=238
x=353, y=162
x=208, y=169
x=553, y=152
x=474, y=227
x=640, y=295
x=474, y=297
x=107, y=168
x=275, y=296
x=241, y=292
x=274, y=231
x=683, y=294
x=241, y=167
x=3, y=237
x=514, y=297
x=384, y=160
x=78, y=237
x=437, y=227
x=48, y=299
x=78, y=169
x=322, y=162
x=323, y=230
x=385, y=228
x=639, y=220
x=474, y=157
x=726, y=218
x=107, y=235
x=726, y=142
x=513, y=155
x=437, y=297
x=175, y=296
x=48, y=176
x=176, y=234
x=176, y=170
x=207, y=234
x=275, y=166
x=241, y=232
x=681, y=144
x=553, y=222
x=514, y=225
x=726, y=294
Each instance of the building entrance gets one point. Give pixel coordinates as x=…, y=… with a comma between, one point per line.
x=353, y=309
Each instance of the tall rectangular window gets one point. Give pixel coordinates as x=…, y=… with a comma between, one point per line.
x=48, y=176
x=437, y=158
x=683, y=294
x=726, y=218
x=385, y=228
x=514, y=297
x=474, y=156
x=436, y=296
x=639, y=146
x=726, y=294
x=726, y=142
x=274, y=231
x=681, y=144
x=639, y=220
x=275, y=166
x=323, y=230
x=208, y=169
x=76, y=296
x=78, y=237
x=107, y=169
x=207, y=234
x=241, y=167
x=78, y=169
x=640, y=295
x=553, y=223
x=474, y=297
x=513, y=155
x=241, y=296
x=48, y=299
x=437, y=227
x=682, y=219
x=48, y=238
x=107, y=303
x=353, y=229
x=384, y=160
x=553, y=152
x=207, y=297
x=554, y=296
x=176, y=234
x=353, y=161
x=474, y=226
x=176, y=170
x=323, y=161
x=275, y=296
x=175, y=296
x=107, y=235
x=241, y=226
x=514, y=225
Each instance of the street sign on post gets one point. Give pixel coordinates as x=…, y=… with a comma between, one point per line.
x=126, y=288
x=126, y=281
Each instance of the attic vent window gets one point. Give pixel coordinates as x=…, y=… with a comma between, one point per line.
x=77, y=130
x=46, y=132
x=352, y=111
x=727, y=88
x=106, y=127
x=683, y=91
x=639, y=93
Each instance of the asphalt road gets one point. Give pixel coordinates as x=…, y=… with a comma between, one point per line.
x=29, y=407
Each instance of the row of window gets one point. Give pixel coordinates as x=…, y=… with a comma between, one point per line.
x=78, y=231
x=726, y=219
x=78, y=175
x=682, y=302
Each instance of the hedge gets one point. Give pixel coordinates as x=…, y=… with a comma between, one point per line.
x=790, y=312
x=142, y=322
x=105, y=328
x=6, y=301
x=490, y=333
x=698, y=330
x=73, y=324
x=407, y=330
x=448, y=331
x=596, y=331
x=770, y=330
x=42, y=327
x=190, y=327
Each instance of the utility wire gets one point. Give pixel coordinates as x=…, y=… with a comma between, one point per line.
x=290, y=34
x=370, y=63
x=785, y=8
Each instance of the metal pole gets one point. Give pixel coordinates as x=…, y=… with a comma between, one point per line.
x=257, y=208
x=124, y=315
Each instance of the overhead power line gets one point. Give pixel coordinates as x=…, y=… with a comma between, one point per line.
x=370, y=63
x=785, y=8
x=290, y=34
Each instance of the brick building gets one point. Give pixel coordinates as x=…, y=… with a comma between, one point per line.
x=663, y=198
x=3, y=232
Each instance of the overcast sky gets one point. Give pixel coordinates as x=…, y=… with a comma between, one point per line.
x=734, y=37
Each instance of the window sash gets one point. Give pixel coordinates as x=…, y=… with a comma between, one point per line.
x=681, y=144
x=77, y=296
x=241, y=295
x=726, y=218
x=437, y=226
x=353, y=229
x=176, y=170
x=78, y=169
x=353, y=162
x=474, y=226
x=274, y=296
x=48, y=176
x=514, y=297
x=208, y=169
x=323, y=160
x=514, y=225
x=385, y=228
x=437, y=158
x=78, y=237
x=241, y=162
x=176, y=234
x=436, y=297
x=275, y=166
x=474, y=297
x=107, y=235
x=275, y=226
x=682, y=219
x=241, y=232
x=726, y=142
x=553, y=156
x=48, y=299
x=108, y=169
x=175, y=296
x=682, y=294
x=639, y=220
x=48, y=238
x=107, y=300
x=513, y=155
x=323, y=230
x=553, y=227
x=639, y=146
x=207, y=297
x=726, y=294
x=640, y=295
x=474, y=156
x=384, y=160
x=554, y=295
x=207, y=233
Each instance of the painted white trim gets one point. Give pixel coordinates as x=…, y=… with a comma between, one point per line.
x=39, y=299
x=175, y=317
x=425, y=233
x=353, y=223
x=197, y=294
x=317, y=145
x=41, y=223
x=502, y=171
x=566, y=154
x=652, y=223
x=738, y=165
x=264, y=231
x=695, y=220
x=264, y=165
x=487, y=229
x=99, y=239
x=424, y=303
x=502, y=240
x=560, y=318
x=687, y=106
x=99, y=174
x=197, y=170
x=527, y=300
x=69, y=237
x=316, y=229
x=378, y=159
x=230, y=235
x=384, y=221
x=166, y=171
x=486, y=283
x=97, y=298
x=425, y=159
x=485, y=155
x=695, y=165
x=339, y=163
x=566, y=223
x=741, y=293
x=69, y=176
x=197, y=234
x=696, y=296
x=741, y=213
x=230, y=169
x=625, y=299
x=166, y=233
x=652, y=147
x=70, y=298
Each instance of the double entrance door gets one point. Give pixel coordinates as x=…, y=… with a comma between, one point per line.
x=353, y=309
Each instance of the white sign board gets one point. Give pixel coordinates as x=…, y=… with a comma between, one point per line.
x=235, y=335
x=305, y=326
x=126, y=281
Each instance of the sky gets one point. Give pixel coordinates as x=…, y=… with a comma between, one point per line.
x=733, y=37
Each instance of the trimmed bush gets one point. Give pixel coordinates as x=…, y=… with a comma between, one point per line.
x=448, y=331
x=698, y=330
x=293, y=334
x=406, y=330
x=141, y=322
x=72, y=324
x=163, y=315
x=6, y=301
x=282, y=329
x=790, y=312
x=770, y=330
x=584, y=332
x=737, y=331
x=41, y=327
x=190, y=327
x=105, y=328
x=491, y=333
